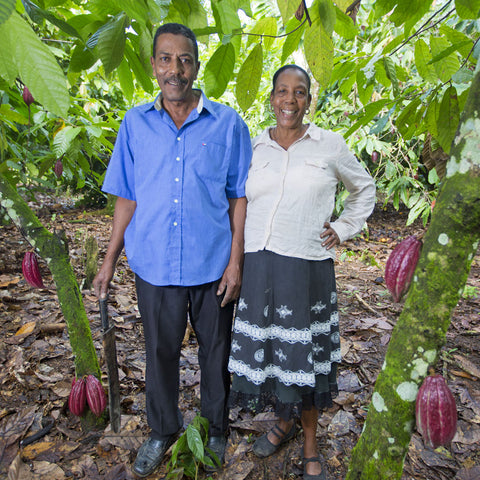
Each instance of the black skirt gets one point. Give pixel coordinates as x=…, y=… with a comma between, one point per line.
x=286, y=339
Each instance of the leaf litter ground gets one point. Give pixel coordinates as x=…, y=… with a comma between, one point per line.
x=37, y=368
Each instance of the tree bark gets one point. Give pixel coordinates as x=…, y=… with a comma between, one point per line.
x=450, y=245
x=54, y=250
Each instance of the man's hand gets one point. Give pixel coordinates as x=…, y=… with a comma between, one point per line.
x=102, y=280
x=230, y=284
x=330, y=235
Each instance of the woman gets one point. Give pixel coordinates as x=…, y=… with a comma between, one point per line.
x=286, y=340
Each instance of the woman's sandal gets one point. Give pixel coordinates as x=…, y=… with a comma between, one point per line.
x=307, y=476
x=263, y=447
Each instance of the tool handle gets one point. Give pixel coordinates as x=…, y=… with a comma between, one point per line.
x=104, y=313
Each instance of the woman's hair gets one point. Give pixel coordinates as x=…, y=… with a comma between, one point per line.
x=287, y=67
x=176, y=29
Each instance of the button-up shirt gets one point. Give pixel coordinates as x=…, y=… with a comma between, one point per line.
x=291, y=194
x=181, y=180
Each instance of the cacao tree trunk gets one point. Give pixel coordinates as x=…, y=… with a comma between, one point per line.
x=54, y=250
x=450, y=245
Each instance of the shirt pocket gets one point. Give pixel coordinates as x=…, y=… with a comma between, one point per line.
x=210, y=162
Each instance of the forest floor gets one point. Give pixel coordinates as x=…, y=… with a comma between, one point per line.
x=37, y=367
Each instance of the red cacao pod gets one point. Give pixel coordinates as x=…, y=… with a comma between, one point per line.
x=436, y=412
x=400, y=266
x=78, y=397
x=375, y=156
x=58, y=168
x=31, y=271
x=27, y=96
x=96, y=398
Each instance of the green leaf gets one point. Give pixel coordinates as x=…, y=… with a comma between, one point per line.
x=219, y=70
x=369, y=113
x=449, y=65
x=82, y=58
x=431, y=117
x=293, y=39
x=448, y=119
x=6, y=9
x=407, y=117
x=126, y=80
x=423, y=58
x=344, y=26
x=265, y=26
x=195, y=442
x=137, y=68
x=9, y=115
x=111, y=42
x=318, y=47
x=248, y=78
x=328, y=15
x=287, y=8
x=188, y=12
x=36, y=14
x=63, y=140
x=36, y=65
x=391, y=72
x=456, y=37
x=226, y=16
x=449, y=50
x=468, y=9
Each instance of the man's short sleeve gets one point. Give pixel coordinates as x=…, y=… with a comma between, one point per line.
x=241, y=156
x=120, y=176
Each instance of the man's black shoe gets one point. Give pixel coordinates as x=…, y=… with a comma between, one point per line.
x=217, y=446
x=150, y=455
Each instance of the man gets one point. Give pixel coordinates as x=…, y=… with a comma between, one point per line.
x=178, y=169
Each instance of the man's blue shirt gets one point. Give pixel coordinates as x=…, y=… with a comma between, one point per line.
x=181, y=180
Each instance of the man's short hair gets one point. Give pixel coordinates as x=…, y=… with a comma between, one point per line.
x=176, y=29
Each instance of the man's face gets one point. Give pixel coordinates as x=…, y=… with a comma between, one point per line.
x=174, y=66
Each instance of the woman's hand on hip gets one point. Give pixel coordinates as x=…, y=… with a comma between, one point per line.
x=330, y=236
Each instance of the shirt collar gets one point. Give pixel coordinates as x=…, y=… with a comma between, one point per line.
x=203, y=102
x=312, y=131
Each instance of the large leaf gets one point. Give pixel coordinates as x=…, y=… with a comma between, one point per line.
x=431, y=116
x=319, y=52
x=111, y=42
x=468, y=8
x=37, y=14
x=391, y=71
x=36, y=65
x=219, y=70
x=82, y=59
x=225, y=13
x=195, y=442
x=295, y=30
x=64, y=139
x=327, y=14
x=6, y=9
x=248, y=78
x=344, y=26
x=126, y=80
x=422, y=62
x=449, y=64
x=448, y=119
x=137, y=68
x=265, y=26
x=188, y=12
x=407, y=118
x=367, y=115
x=288, y=8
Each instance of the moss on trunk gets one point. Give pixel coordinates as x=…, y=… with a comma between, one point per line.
x=450, y=244
x=53, y=249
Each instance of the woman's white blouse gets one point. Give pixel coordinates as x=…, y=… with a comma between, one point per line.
x=291, y=194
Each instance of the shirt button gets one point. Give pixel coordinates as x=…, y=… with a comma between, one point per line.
x=178, y=139
x=177, y=179
x=175, y=224
x=175, y=201
x=177, y=159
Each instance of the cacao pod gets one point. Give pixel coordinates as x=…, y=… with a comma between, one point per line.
x=58, y=168
x=27, y=96
x=436, y=412
x=375, y=156
x=31, y=271
x=96, y=398
x=78, y=398
x=400, y=266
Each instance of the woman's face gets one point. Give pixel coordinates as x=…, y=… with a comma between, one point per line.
x=290, y=98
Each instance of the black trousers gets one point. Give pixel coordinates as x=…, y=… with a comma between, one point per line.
x=164, y=316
